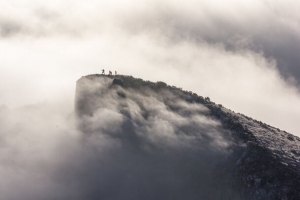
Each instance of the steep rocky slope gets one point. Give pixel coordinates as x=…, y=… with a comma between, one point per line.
x=184, y=146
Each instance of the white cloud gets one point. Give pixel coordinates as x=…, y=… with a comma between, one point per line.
x=49, y=45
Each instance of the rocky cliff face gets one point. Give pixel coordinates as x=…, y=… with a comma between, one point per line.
x=174, y=144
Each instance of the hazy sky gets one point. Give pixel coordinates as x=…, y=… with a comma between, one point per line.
x=242, y=54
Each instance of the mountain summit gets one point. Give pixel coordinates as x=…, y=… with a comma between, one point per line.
x=175, y=144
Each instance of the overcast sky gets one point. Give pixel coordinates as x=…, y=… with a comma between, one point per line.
x=242, y=54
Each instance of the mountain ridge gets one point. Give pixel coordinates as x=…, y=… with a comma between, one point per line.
x=263, y=161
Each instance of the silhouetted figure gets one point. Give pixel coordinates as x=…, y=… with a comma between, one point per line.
x=103, y=71
x=115, y=73
x=110, y=73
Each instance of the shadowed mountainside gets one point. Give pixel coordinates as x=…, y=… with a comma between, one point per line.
x=174, y=144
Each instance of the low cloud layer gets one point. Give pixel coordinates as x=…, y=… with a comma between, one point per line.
x=132, y=147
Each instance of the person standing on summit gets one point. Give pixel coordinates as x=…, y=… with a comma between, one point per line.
x=103, y=71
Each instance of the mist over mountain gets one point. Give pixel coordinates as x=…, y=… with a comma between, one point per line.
x=133, y=139
x=175, y=144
